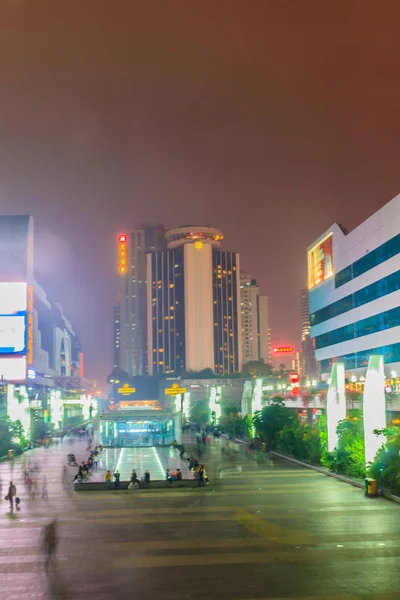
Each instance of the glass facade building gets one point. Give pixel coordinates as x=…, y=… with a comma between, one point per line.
x=193, y=307
x=356, y=313
x=166, y=316
x=133, y=306
x=138, y=428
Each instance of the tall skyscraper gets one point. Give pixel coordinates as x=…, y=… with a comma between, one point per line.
x=308, y=363
x=133, y=248
x=305, y=314
x=255, y=322
x=193, y=303
x=265, y=331
x=117, y=334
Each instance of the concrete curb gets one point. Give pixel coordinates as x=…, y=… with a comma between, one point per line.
x=343, y=478
x=322, y=470
x=97, y=486
x=392, y=497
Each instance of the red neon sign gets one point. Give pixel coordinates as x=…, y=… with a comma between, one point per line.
x=284, y=349
x=122, y=238
x=294, y=378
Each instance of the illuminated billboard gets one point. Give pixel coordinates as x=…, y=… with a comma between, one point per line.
x=320, y=262
x=13, y=305
x=283, y=349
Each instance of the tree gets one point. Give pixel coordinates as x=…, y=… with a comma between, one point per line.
x=349, y=456
x=272, y=419
x=257, y=370
x=235, y=426
x=12, y=435
x=199, y=413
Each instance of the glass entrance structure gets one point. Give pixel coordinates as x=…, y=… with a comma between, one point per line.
x=139, y=428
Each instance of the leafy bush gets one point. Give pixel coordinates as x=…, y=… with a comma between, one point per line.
x=235, y=426
x=386, y=466
x=270, y=421
x=349, y=456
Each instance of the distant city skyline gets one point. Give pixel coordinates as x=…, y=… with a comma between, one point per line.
x=256, y=117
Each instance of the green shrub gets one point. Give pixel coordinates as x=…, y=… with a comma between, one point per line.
x=386, y=466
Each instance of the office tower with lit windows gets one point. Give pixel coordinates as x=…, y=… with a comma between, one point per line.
x=117, y=334
x=132, y=249
x=255, y=335
x=265, y=331
x=305, y=314
x=193, y=300
x=309, y=367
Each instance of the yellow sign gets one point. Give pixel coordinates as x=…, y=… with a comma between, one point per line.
x=29, y=354
x=175, y=390
x=126, y=390
x=320, y=262
x=138, y=404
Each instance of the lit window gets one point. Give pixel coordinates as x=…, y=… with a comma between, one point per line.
x=161, y=349
x=171, y=285
x=160, y=362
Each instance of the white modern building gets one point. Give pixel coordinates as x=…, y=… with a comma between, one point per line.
x=193, y=304
x=354, y=293
x=37, y=341
x=255, y=334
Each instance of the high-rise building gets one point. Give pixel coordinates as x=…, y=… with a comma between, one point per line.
x=133, y=248
x=193, y=299
x=285, y=357
x=265, y=331
x=117, y=334
x=255, y=322
x=354, y=289
x=308, y=363
x=305, y=314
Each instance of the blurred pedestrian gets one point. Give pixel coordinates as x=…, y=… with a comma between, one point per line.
x=50, y=542
x=12, y=492
x=117, y=476
x=45, y=491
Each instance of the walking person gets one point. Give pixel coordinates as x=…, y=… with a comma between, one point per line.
x=117, y=476
x=45, y=491
x=147, y=478
x=12, y=492
x=200, y=475
x=50, y=541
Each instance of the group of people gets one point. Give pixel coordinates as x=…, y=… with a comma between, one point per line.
x=90, y=465
x=134, y=483
x=170, y=477
x=35, y=485
x=194, y=466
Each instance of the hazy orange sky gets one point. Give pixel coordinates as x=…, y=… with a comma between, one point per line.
x=268, y=119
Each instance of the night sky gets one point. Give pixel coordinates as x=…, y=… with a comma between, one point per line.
x=270, y=119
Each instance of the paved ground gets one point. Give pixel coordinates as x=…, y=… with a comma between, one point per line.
x=279, y=532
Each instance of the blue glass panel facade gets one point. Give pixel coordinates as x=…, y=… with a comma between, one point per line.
x=371, y=292
x=369, y=261
x=357, y=360
x=380, y=322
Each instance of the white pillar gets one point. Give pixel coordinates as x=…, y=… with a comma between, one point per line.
x=178, y=427
x=336, y=404
x=374, y=406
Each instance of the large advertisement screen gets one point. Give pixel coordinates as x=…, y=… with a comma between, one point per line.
x=13, y=299
x=320, y=262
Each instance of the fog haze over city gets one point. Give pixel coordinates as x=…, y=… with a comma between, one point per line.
x=270, y=121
